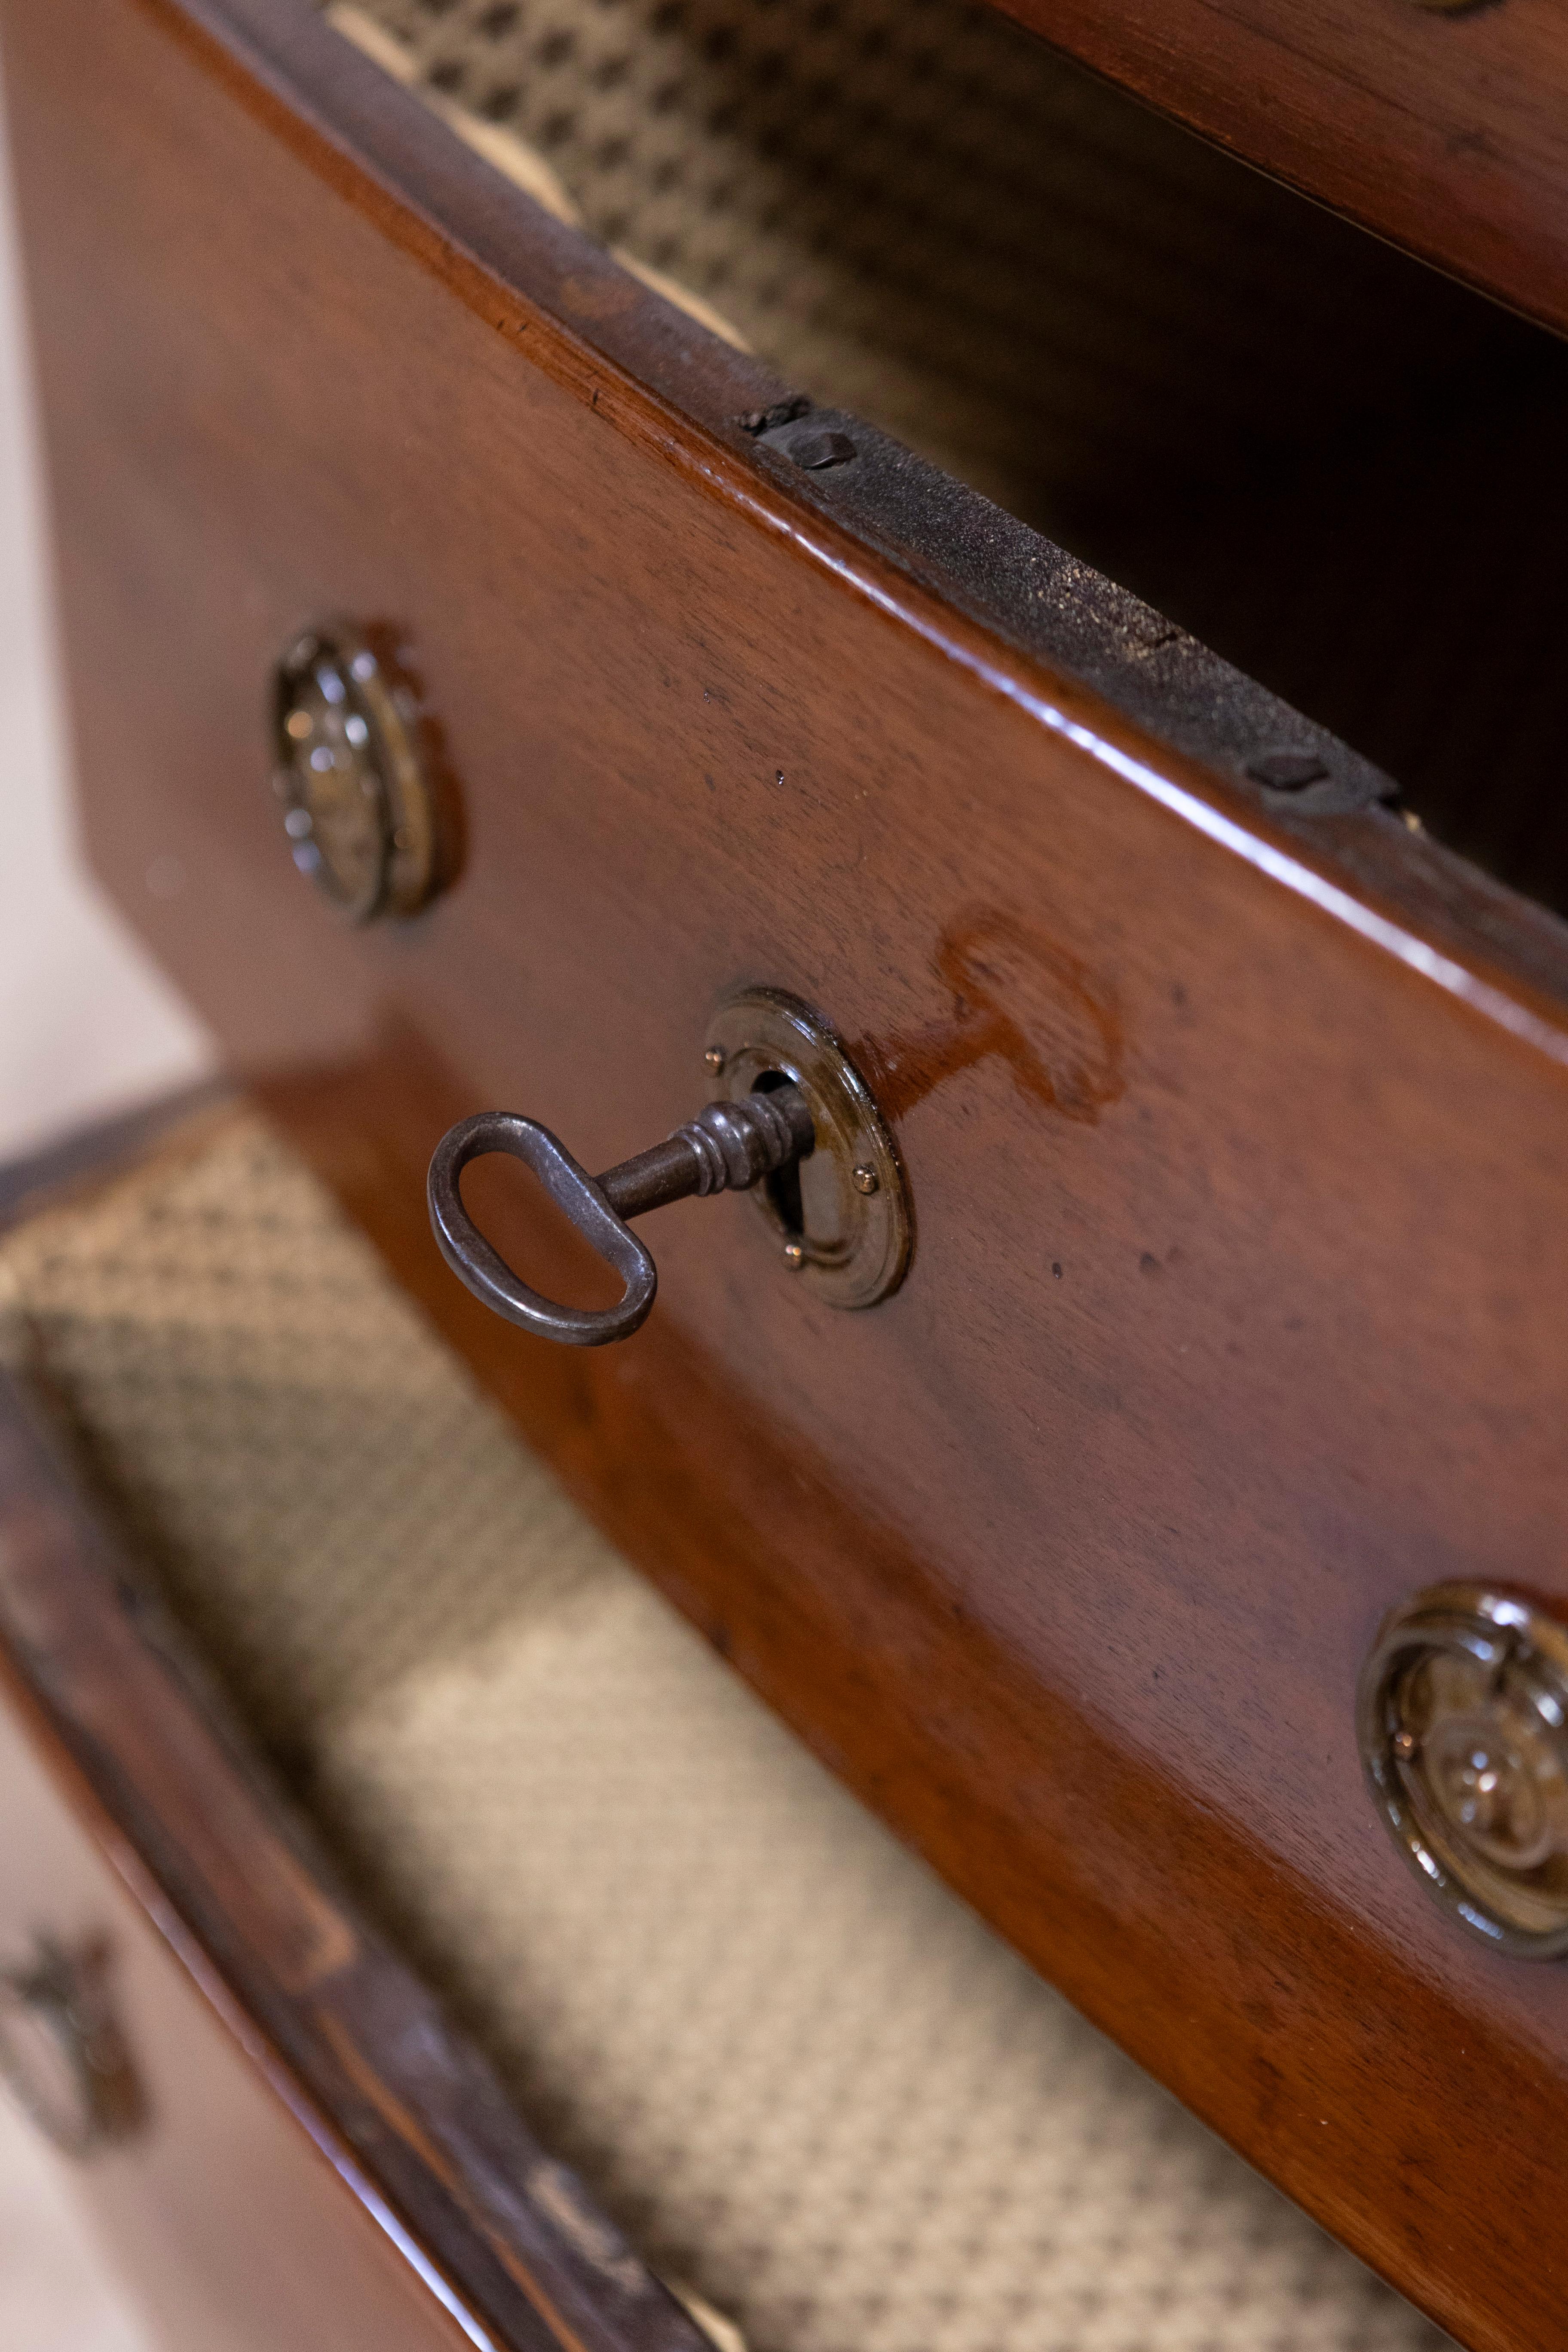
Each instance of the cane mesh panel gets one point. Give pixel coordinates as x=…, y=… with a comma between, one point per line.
x=1342, y=472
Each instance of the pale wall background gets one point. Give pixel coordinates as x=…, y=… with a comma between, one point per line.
x=87, y=1025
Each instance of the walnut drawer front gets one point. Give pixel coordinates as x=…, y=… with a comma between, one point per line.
x=1236, y=1312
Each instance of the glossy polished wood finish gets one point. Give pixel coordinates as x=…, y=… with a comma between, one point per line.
x=321, y=2162
x=1238, y=1305
x=1445, y=130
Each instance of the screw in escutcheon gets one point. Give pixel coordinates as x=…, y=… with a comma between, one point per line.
x=795, y=1255
x=864, y=1178
x=714, y=1058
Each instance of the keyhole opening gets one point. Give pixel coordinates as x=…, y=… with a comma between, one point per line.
x=782, y=1187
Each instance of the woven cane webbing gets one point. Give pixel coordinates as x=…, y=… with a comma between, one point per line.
x=803, y=2076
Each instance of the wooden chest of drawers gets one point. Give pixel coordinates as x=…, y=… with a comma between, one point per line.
x=1232, y=1103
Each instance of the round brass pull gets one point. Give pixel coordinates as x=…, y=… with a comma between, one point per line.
x=798, y=1128
x=1463, y=1720
x=62, y=2055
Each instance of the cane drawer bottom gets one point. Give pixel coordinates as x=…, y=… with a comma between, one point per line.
x=808, y=2084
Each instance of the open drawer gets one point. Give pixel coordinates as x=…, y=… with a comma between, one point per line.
x=1231, y=1097
x=286, y=1605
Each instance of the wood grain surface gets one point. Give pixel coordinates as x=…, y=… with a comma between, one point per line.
x=1443, y=129
x=1238, y=1304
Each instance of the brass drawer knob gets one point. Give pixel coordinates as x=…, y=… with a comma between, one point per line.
x=358, y=807
x=798, y=1125
x=1463, y=1719
x=62, y=2055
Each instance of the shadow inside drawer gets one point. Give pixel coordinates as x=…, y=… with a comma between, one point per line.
x=1345, y=474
